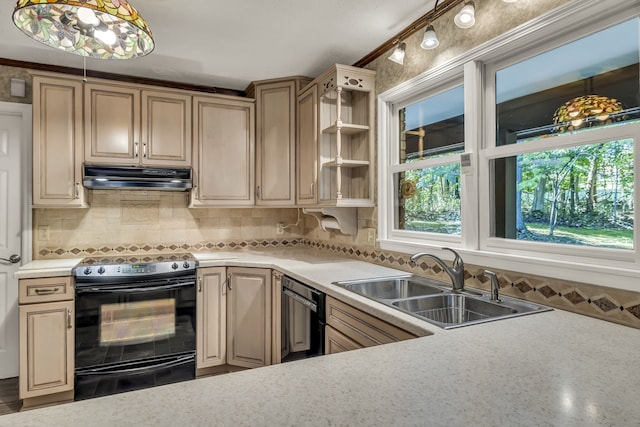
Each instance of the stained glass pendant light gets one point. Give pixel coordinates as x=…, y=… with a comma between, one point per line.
x=92, y=28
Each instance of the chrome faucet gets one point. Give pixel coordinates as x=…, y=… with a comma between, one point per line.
x=495, y=285
x=456, y=271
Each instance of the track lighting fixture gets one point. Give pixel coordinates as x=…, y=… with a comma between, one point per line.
x=430, y=39
x=466, y=17
x=398, y=53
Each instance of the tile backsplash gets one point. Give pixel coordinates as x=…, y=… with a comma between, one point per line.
x=127, y=220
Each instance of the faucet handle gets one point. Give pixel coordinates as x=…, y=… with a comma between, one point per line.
x=457, y=262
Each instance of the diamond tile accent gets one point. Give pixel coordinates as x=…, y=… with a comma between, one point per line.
x=574, y=297
x=524, y=287
x=635, y=310
x=547, y=291
x=604, y=304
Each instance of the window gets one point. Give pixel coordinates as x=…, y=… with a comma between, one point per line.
x=550, y=120
x=578, y=188
x=427, y=180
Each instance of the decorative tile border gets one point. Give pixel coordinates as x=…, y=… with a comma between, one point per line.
x=615, y=305
x=159, y=248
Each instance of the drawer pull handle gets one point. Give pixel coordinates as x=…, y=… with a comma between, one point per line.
x=69, y=324
x=47, y=291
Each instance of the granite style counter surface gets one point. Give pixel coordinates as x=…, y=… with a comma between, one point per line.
x=551, y=368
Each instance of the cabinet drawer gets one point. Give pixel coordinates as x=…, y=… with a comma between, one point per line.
x=46, y=289
x=361, y=327
x=335, y=342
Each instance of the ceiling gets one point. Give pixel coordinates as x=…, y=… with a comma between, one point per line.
x=228, y=44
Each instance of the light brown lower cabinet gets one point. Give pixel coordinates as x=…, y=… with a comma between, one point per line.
x=235, y=317
x=46, y=337
x=349, y=328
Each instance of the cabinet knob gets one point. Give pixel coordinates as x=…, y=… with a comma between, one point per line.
x=69, y=324
x=144, y=150
x=77, y=190
x=257, y=191
x=135, y=150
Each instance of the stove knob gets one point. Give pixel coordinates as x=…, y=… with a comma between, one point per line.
x=186, y=264
x=174, y=265
x=101, y=270
x=87, y=271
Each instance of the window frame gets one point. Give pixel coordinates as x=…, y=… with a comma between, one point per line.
x=574, y=20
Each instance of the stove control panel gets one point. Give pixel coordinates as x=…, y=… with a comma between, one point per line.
x=104, y=269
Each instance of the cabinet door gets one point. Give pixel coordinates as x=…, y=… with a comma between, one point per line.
x=276, y=320
x=46, y=348
x=249, y=317
x=211, y=312
x=307, y=147
x=166, y=129
x=112, y=124
x=275, y=143
x=224, y=162
x=58, y=149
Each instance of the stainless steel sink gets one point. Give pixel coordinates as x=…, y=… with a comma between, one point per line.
x=393, y=288
x=433, y=301
x=454, y=309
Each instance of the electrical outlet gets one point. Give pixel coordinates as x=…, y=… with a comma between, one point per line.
x=280, y=228
x=371, y=236
x=43, y=232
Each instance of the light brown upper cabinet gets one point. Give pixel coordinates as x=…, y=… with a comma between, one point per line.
x=307, y=146
x=345, y=146
x=223, y=162
x=275, y=139
x=58, y=144
x=128, y=126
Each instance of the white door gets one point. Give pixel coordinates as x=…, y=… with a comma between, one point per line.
x=12, y=200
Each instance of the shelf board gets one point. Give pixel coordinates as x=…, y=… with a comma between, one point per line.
x=346, y=129
x=346, y=163
x=346, y=202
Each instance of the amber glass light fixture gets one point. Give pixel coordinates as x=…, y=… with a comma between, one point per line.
x=91, y=28
x=585, y=111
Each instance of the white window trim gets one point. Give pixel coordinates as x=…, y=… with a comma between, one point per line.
x=554, y=28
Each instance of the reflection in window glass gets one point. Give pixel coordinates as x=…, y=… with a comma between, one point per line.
x=578, y=196
x=429, y=199
x=433, y=126
x=591, y=82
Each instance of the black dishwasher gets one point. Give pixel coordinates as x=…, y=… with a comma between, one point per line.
x=303, y=321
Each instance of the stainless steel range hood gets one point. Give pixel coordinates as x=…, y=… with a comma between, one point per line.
x=141, y=178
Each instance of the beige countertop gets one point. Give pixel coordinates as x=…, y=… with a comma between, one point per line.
x=552, y=368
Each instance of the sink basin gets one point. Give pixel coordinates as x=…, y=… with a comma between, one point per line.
x=434, y=301
x=392, y=288
x=454, y=310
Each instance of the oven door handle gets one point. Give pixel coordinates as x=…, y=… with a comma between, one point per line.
x=309, y=304
x=142, y=369
x=136, y=289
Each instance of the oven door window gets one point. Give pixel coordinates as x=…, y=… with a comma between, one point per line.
x=137, y=322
